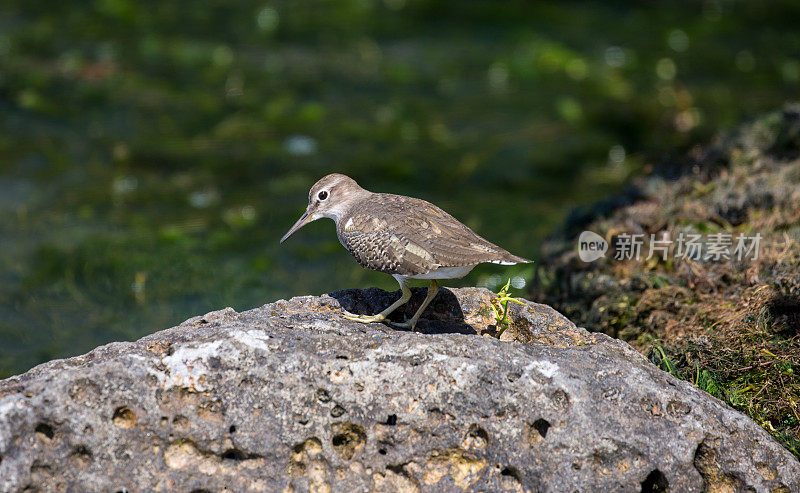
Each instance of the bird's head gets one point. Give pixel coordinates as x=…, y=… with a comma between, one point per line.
x=330, y=197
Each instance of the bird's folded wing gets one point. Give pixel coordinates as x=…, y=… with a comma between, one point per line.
x=450, y=242
x=376, y=247
x=414, y=237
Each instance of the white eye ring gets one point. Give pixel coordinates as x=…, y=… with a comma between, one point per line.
x=323, y=195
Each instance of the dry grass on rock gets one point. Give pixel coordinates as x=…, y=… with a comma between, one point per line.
x=732, y=327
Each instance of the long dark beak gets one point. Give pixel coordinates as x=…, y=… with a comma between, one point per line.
x=304, y=219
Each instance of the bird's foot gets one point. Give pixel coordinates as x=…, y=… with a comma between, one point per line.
x=367, y=319
x=408, y=324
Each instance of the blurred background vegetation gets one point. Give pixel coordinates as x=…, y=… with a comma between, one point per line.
x=152, y=153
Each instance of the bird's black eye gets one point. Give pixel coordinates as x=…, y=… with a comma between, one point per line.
x=323, y=195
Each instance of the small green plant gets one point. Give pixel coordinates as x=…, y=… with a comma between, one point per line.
x=704, y=380
x=499, y=306
x=661, y=360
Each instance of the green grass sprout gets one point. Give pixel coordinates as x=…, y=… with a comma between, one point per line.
x=499, y=306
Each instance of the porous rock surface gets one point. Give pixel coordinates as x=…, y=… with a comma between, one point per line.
x=292, y=397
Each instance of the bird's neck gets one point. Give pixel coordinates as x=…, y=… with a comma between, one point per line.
x=346, y=208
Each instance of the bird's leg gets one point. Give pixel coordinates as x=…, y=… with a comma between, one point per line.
x=410, y=324
x=380, y=317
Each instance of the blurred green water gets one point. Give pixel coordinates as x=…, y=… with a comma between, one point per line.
x=153, y=153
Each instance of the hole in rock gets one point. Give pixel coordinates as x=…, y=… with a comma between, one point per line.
x=510, y=471
x=234, y=454
x=232, y=429
x=397, y=469
x=382, y=451
x=81, y=456
x=323, y=395
x=44, y=430
x=541, y=426
x=391, y=420
x=560, y=399
x=124, y=417
x=655, y=482
x=82, y=450
x=476, y=437
x=349, y=438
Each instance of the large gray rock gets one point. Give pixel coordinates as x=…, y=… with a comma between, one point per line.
x=292, y=397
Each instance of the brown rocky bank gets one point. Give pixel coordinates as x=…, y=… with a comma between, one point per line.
x=292, y=397
x=730, y=326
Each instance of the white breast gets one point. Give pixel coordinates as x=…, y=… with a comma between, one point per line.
x=445, y=273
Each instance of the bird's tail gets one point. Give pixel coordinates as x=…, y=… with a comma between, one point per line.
x=511, y=259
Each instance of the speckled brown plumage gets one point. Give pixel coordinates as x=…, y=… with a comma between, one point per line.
x=408, y=236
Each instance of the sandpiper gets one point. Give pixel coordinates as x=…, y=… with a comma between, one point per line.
x=406, y=237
